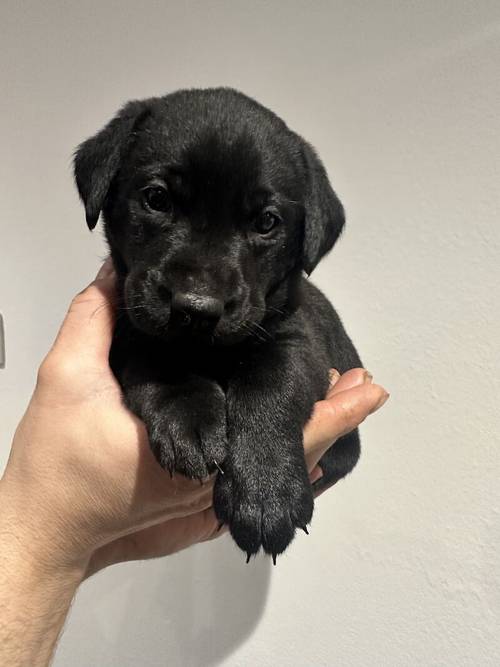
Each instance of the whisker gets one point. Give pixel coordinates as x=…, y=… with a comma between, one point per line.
x=248, y=325
x=276, y=310
x=259, y=326
x=268, y=308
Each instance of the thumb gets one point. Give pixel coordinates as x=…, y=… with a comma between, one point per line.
x=339, y=414
x=87, y=329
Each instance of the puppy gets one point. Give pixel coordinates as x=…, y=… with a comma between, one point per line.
x=213, y=209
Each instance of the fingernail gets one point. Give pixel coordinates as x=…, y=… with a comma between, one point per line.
x=381, y=402
x=316, y=474
x=367, y=377
x=334, y=375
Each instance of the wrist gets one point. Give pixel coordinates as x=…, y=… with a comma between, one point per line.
x=35, y=543
x=32, y=581
x=36, y=591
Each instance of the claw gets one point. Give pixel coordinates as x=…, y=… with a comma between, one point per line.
x=218, y=467
x=248, y=557
x=274, y=558
x=304, y=528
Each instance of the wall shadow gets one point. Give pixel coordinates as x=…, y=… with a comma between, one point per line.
x=193, y=609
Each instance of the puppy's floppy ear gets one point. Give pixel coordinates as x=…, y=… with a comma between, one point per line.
x=97, y=160
x=324, y=214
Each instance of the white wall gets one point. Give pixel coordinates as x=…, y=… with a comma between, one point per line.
x=402, y=101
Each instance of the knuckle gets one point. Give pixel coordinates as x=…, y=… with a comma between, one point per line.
x=347, y=417
x=57, y=368
x=46, y=370
x=81, y=298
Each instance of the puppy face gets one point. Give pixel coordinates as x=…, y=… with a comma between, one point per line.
x=212, y=208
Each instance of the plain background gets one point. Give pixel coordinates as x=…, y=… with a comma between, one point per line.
x=401, y=100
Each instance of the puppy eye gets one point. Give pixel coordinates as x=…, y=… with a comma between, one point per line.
x=155, y=198
x=266, y=222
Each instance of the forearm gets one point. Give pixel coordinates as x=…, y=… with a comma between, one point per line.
x=35, y=594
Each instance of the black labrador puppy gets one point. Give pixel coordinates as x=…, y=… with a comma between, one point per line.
x=213, y=210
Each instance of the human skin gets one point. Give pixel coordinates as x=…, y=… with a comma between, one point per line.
x=82, y=489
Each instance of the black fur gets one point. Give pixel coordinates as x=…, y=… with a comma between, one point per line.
x=221, y=345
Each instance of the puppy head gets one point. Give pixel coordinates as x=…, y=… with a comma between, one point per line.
x=212, y=208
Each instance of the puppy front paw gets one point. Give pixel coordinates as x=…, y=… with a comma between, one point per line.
x=264, y=507
x=187, y=429
x=194, y=449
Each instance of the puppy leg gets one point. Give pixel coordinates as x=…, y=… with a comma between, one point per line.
x=265, y=493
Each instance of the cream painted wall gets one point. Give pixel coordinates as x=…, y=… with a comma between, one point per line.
x=402, y=101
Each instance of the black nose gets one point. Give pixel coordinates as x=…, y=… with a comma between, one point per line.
x=196, y=310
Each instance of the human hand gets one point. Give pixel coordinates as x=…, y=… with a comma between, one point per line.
x=81, y=474
x=350, y=399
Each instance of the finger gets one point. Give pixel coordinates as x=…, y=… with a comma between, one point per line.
x=334, y=377
x=161, y=538
x=185, y=531
x=351, y=378
x=192, y=529
x=315, y=474
x=88, y=326
x=186, y=497
x=213, y=528
x=180, y=485
x=168, y=537
x=340, y=414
